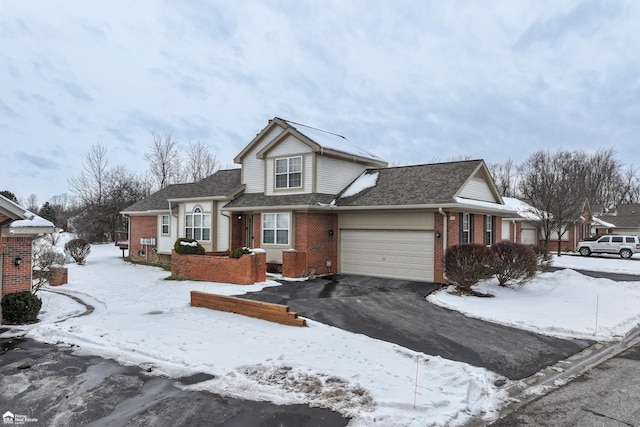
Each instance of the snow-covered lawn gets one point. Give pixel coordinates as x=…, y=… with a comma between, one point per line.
x=141, y=318
x=565, y=303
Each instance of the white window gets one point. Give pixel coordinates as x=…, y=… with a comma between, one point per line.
x=275, y=228
x=197, y=225
x=165, y=224
x=466, y=222
x=488, y=230
x=289, y=172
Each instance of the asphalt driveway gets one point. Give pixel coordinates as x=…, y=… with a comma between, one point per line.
x=46, y=385
x=396, y=311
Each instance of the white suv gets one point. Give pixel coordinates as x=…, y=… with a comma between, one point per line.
x=625, y=246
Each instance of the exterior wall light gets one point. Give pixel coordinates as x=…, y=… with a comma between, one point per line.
x=331, y=232
x=438, y=235
x=17, y=261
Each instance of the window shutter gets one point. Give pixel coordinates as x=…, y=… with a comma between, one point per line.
x=472, y=221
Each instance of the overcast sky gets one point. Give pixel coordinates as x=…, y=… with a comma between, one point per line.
x=411, y=81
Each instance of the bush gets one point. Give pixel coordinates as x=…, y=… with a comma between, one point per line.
x=468, y=264
x=517, y=263
x=543, y=257
x=20, y=307
x=44, y=258
x=239, y=252
x=186, y=246
x=78, y=249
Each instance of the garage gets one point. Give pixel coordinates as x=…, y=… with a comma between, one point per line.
x=529, y=236
x=401, y=254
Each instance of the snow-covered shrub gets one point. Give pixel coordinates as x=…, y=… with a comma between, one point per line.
x=78, y=249
x=186, y=246
x=237, y=253
x=517, y=263
x=468, y=264
x=44, y=258
x=19, y=308
x=54, y=238
x=543, y=257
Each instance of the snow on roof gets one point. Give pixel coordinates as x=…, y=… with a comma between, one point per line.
x=598, y=222
x=483, y=204
x=364, y=181
x=523, y=209
x=32, y=221
x=332, y=141
x=29, y=219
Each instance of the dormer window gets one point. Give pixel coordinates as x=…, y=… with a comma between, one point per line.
x=289, y=172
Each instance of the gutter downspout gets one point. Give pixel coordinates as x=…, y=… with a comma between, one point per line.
x=444, y=242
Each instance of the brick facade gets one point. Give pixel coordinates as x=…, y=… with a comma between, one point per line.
x=317, y=235
x=145, y=227
x=15, y=278
x=453, y=237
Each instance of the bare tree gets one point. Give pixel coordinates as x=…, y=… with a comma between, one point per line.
x=505, y=177
x=88, y=186
x=552, y=185
x=629, y=187
x=569, y=201
x=602, y=176
x=200, y=161
x=32, y=203
x=164, y=159
x=537, y=185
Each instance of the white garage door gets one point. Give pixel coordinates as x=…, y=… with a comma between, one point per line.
x=529, y=236
x=401, y=254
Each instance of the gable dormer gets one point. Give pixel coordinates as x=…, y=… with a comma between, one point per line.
x=480, y=186
x=284, y=159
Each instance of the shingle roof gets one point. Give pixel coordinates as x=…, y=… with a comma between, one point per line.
x=159, y=199
x=221, y=183
x=254, y=200
x=626, y=216
x=414, y=185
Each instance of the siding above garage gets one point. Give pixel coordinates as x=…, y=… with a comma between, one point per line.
x=372, y=220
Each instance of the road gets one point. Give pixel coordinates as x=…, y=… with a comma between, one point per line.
x=607, y=395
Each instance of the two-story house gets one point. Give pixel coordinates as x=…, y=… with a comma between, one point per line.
x=310, y=191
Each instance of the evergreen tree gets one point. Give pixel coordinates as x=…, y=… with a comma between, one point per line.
x=48, y=212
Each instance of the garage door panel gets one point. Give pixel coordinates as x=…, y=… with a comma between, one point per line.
x=402, y=254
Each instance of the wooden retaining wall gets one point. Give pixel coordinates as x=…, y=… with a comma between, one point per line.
x=262, y=310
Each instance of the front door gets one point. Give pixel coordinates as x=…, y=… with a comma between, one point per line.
x=248, y=230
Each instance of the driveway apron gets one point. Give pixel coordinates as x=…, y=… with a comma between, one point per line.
x=397, y=311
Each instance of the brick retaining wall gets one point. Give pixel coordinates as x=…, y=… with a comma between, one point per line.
x=246, y=270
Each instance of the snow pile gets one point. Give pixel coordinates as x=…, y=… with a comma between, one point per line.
x=140, y=318
x=192, y=244
x=364, y=181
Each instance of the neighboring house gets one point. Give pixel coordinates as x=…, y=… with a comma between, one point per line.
x=18, y=228
x=312, y=192
x=183, y=210
x=524, y=227
x=624, y=219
